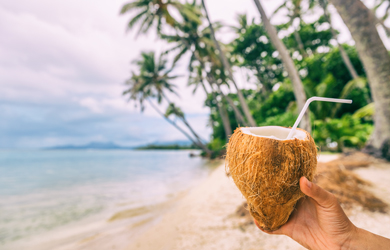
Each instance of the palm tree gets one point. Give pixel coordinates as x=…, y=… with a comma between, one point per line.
x=294, y=13
x=155, y=75
x=343, y=53
x=152, y=82
x=202, y=51
x=191, y=15
x=152, y=11
x=376, y=61
x=196, y=78
x=381, y=20
x=267, y=69
x=288, y=63
x=227, y=67
x=242, y=24
x=217, y=72
x=139, y=94
x=176, y=111
x=190, y=38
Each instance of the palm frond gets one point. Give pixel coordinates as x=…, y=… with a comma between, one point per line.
x=355, y=83
x=149, y=24
x=179, y=55
x=135, y=19
x=133, y=5
x=366, y=111
x=282, y=6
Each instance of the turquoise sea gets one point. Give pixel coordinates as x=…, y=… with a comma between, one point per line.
x=46, y=190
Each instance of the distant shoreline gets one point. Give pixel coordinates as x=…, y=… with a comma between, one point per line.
x=170, y=147
x=164, y=147
x=174, y=145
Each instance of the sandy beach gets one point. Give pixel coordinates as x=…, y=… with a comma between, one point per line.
x=206, y=217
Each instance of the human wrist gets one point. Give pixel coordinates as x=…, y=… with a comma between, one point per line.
x=356, y=239
x=364, y=240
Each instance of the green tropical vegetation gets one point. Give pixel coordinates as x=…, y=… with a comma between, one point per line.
x=289, y=63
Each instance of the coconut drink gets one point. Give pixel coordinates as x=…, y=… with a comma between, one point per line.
x=266, y=164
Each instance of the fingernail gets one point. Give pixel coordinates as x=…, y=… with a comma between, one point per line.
x=308, y=183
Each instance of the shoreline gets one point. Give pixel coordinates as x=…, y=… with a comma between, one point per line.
x=106, y=207
x=206, y=218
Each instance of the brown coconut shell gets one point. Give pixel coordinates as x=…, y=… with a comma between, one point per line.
x=267, y=172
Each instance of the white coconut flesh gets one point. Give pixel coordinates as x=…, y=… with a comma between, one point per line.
x=274, y=132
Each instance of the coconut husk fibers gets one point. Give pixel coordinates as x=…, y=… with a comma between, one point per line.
x=336, y=177
x=267, y=172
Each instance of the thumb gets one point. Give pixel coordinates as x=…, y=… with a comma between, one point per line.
x=322, y=197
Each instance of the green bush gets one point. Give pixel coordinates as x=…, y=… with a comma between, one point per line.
x=217, y=145
x=348, y=131
x=286, y=119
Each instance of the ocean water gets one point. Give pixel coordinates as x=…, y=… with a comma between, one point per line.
x=46, y=190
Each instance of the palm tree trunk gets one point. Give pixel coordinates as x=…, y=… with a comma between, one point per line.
x=237, y=112
x=376, y=60
x=204, y=86
x=227, y=67
x=266, y=86
x=343, y=53
x=221, y=108
x=288, y=63
x=224, y=117
x=197, y=143
x=222, y=111
x=200, y=140
x=298, y=39
x=191, y=129
x=300, y=43
x=346, y=59
x=381, y=22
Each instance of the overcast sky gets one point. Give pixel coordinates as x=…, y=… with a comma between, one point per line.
x=62, y=69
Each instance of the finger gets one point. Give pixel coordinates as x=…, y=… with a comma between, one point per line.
x=321, y=196
x=267, y=232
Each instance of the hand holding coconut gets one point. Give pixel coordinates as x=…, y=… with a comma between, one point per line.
x=272, y=167
x=319, y=222
x=266, y=164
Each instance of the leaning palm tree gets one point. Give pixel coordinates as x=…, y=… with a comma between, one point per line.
x=227, y=67
x=344, y=56
x=376, y=61
x=199, y=43
x=197, y=78
x=190, y=13
x=294, y=12
x=189, y=36
x=151, y=83
x=177, y=112
x=288, y=63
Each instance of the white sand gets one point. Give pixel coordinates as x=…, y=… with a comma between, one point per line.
x=205, y=218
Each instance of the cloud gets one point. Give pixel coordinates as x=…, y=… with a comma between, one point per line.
x=91, y=104
x=62, y=69
x=39, y=125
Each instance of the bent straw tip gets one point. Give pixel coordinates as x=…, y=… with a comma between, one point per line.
x=314, y=98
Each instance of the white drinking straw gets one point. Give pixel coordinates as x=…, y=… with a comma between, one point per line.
x=314, y=98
